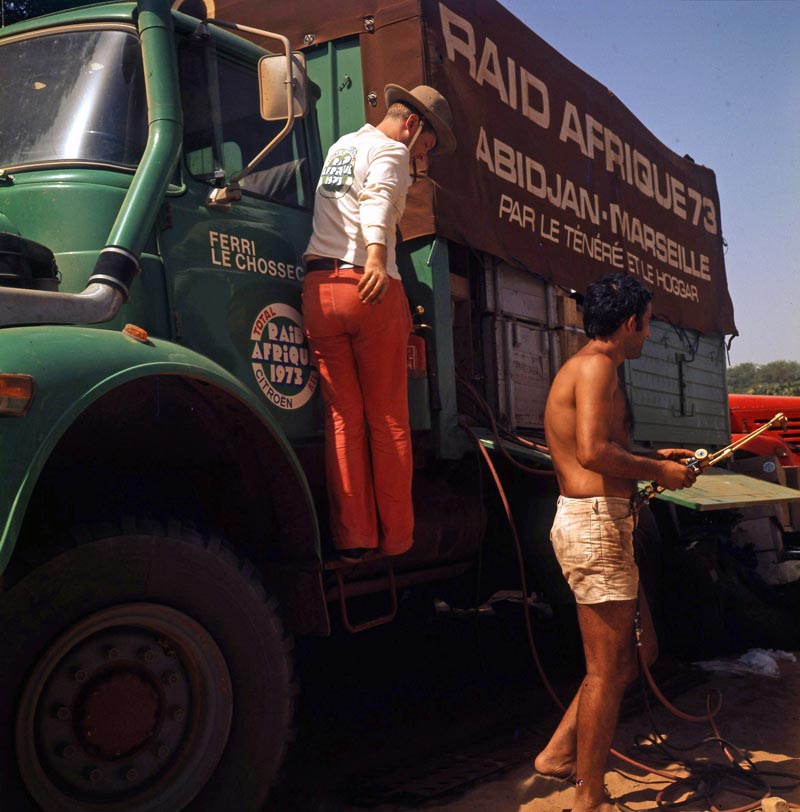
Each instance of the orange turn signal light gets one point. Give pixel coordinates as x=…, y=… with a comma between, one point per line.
x=16, y=394
x=132, y=330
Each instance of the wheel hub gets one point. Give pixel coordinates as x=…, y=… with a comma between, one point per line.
x=120, y=714
x=129, y=710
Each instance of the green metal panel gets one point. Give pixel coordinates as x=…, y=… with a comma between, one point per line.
x=723, y=490
x=336, y=68
x=425, y=270
x=677, y=389
x=236, y=279
x=419, y=404
x=71, y=212
x=234, y=275
x=527, y=455
x=68, y=210
x=73, y=367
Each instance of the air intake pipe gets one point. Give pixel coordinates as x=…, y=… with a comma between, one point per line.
x=118, y=263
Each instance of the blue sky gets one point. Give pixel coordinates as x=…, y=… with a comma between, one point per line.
x=720, y=80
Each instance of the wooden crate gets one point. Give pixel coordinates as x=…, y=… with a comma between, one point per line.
x=568, y=313
x=459, y=287
x=571, y=342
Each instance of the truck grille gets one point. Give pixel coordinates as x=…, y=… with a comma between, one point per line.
x=790, y=435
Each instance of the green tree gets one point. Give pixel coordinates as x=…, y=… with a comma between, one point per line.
x=741, y=377
x=774, y=378
x=788, y=388
x=778, y=372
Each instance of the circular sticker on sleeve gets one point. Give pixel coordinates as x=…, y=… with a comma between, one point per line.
x=280, y=357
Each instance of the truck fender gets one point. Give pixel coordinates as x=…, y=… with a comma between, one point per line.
x=164, y=416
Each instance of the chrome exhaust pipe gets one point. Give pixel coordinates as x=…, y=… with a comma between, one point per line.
x=98, y=302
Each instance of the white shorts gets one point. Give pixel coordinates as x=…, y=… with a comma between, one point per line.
x=593, y=542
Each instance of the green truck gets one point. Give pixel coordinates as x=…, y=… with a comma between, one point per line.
x=163, y=527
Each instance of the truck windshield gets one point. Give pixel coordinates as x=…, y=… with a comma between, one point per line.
x=75, y=95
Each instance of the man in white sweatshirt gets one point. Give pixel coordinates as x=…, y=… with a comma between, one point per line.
x=357, y=319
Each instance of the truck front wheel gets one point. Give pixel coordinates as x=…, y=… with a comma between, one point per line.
x=144, y=671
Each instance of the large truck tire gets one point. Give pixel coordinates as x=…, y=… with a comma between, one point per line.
x=144, y=670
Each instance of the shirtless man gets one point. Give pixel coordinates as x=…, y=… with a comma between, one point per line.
x=587, y=424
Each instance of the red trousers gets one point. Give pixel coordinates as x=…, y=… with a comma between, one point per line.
x=360, y=352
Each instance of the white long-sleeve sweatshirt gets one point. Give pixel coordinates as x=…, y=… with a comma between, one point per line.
x=360, y=197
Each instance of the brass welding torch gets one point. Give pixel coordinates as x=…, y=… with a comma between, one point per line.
x=702, y=459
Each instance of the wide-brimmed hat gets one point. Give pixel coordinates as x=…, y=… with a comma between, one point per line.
x=433, y=107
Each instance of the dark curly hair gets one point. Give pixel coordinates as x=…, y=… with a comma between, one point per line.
x=611, y=301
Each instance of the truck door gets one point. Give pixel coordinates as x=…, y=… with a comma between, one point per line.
x=235, y=275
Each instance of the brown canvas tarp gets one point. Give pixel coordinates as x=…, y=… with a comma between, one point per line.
x=552, y=173
x=316, y=20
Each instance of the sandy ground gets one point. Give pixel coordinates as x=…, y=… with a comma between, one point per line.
x=760, y=716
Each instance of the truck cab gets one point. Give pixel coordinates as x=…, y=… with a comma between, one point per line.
x=160, y=415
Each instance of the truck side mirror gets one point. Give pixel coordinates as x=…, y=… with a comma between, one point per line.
x=273, y=89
